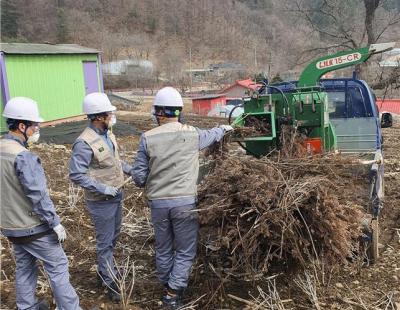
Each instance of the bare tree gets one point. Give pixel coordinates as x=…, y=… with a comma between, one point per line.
x=171, y=62
x=387, y=81
x=261, y=35
x=345, y=24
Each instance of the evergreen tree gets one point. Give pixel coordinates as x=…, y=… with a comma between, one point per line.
x=9, y=19
x=392, y=5
x=151, y=24
x=62, y=31
x=276, y=79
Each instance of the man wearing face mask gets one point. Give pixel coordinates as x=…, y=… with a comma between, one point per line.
x=96, y=166
x=28, y=217
x=167, y=165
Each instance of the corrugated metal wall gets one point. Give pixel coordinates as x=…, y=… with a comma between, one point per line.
x=203, y=106
x=389, y=105
x=56, y=82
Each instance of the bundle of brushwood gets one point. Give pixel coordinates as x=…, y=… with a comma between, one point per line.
x=286, y=208
x=255, y=127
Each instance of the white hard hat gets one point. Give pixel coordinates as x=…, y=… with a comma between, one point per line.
x=22, y=108
x=95, y=103
x=168, y=97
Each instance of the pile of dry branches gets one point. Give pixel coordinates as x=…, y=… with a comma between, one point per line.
x=256, y=212
x=255, y=127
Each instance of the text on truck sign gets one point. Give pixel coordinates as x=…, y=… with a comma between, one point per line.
x=337, y=61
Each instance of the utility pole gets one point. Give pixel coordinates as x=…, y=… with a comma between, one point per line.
x=255, y=57
x=190, y=68
x=269, y=64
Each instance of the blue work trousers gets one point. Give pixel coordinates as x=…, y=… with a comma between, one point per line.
x=55, y=263
x=107, y=218
x=176, y=230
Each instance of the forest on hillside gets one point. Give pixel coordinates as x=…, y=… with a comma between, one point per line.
x=265, y=36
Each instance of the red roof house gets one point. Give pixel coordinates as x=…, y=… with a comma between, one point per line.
x=240, y=88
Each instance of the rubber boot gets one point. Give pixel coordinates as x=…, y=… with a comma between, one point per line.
x=100, y=282
x=172, y=299
x=113, y=292
x=43, y=304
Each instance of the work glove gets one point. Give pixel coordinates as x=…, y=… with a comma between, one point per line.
x=111, y=191
x=61, y=233
x=227, y=128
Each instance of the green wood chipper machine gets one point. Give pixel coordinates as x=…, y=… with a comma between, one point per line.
x=305, y=107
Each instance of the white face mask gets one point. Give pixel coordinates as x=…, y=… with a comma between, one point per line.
x=34, y=138
x=112, y=121
x=153, y=116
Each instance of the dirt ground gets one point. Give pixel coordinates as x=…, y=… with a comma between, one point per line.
x=353, y=287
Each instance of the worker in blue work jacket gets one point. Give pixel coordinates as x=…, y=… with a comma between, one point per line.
x=96, y=166
x=167, y=165
x=28, y=217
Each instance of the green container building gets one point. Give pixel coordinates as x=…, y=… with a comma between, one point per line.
x=57, y=77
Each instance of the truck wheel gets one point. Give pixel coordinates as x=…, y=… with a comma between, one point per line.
x=374, y=247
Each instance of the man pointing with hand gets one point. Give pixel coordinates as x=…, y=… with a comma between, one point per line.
x=167, y=166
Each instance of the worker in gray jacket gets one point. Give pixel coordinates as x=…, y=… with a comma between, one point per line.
x=167, y=165
x=28, y=217
x=96, y=166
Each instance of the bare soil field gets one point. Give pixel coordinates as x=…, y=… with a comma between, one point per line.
x=353, y=286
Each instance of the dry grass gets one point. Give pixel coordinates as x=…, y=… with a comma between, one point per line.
x=125, y=281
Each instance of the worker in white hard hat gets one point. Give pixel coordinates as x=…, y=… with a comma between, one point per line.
x=167, y=165
x=27, y=214
x=96, y=166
